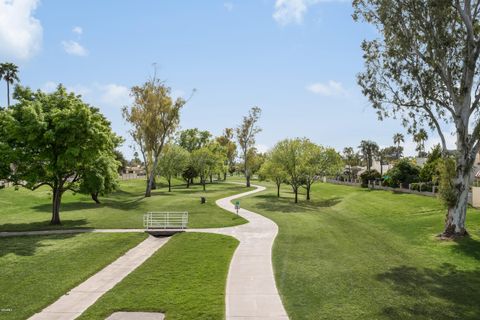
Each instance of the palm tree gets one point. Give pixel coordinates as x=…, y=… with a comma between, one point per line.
x=420, y=137
x=397, y=139
x=8, y=72
x=369, y=151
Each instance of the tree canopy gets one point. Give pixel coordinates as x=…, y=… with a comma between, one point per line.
x=423, y=69
x=55, y=140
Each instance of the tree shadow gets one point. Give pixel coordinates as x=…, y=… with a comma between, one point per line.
x=271, y=202
x=443, y=293
x=44, y=225
x=28, y=245
x=468, y=246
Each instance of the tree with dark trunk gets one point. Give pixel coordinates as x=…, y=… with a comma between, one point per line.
x=246, y=133
x=424, y=69
x=53, y=140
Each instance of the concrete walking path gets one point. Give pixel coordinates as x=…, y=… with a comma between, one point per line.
x=251, y=290
x=76, y=301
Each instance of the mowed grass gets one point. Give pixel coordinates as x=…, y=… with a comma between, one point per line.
x=352, y=253
x=36, y=270
x=185, y=279
x=23, y=209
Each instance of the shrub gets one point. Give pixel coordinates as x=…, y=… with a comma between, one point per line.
x=368, y=176
x=422, y=186
x=402, y=174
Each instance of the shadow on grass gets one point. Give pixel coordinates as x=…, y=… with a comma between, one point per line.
x=273, y=203
x=443, y=293
x=44, y=225
x=28, y=245
x=468, y=246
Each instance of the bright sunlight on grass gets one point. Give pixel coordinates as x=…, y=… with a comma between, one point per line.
x=27, y=210
x=37, y=270
x=185, y=279
x=351, y=253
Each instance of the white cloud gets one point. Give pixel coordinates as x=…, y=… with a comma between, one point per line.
x=78, y=30
x=293, y=11
x=74, y=48
x=20, y=33
x=115, y=95
x=228, y=6
x=331, y=88
x=289, y=11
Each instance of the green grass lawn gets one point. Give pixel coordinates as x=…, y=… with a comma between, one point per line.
x=352, y=253
x=30, y=210
x=185, y=279
x=36, y=270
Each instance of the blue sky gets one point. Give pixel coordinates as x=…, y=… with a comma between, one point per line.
x=296, y=59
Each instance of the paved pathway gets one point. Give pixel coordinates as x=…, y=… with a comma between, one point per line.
x=76, y=301
x=251, y=290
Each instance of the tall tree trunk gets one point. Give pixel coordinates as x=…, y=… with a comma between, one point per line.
x=56, y=201
x=211, y=178
x=203, y=183
x=151, y=179
x=169, y=185
x=188, y=183
x=296, y=194
x=94, y=196
x=278, y=190
x=8, y=94
x=247, y=174
x=224, y=176
x=456, y=214
x=308, y=191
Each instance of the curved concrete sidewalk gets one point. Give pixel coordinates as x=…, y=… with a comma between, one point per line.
x=251, y=289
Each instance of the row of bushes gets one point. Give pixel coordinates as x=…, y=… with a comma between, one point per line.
x=405, y=173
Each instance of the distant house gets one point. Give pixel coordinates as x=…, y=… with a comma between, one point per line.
x=134, y=170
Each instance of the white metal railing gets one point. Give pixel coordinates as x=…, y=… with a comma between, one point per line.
x=165, y=220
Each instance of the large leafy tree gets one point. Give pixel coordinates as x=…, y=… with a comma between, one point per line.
x=203, y=160
x=193, y=139
x=246, y=133
x=226, y=141
x=423, y=68
x=101, y=177
x=369, y=151
x=317, y=161
x=155, y=116
x=9, y=73
x=288, y=153
x=274, y=171
x=173, y=162
x=53, y=140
